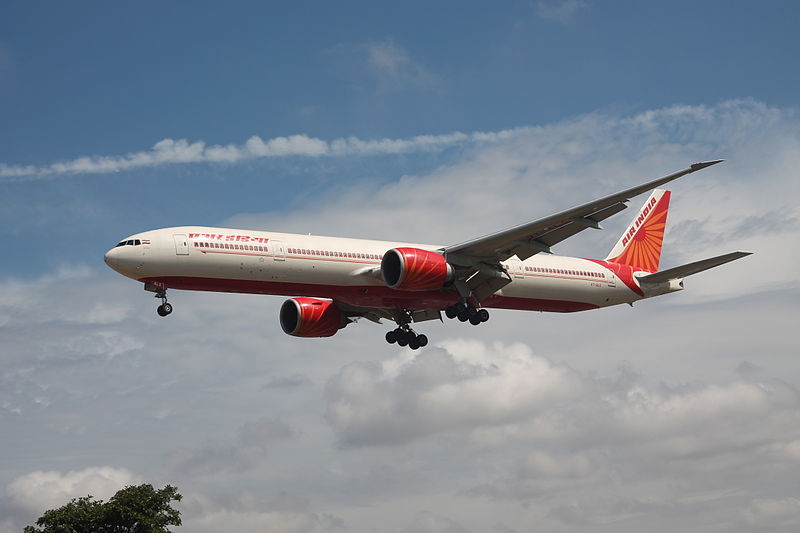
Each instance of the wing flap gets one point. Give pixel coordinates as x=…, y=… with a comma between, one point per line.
x=691, y=268
x=543, y=241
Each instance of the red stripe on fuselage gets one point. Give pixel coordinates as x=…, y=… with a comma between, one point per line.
x=623, y=272
x=366, y=296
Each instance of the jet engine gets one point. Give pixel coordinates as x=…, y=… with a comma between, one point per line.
x=309, y=317
x=412, y=269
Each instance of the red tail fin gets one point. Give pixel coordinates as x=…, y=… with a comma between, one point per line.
x=640, y=246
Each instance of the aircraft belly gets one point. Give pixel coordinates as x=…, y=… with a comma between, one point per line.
x=551, y=288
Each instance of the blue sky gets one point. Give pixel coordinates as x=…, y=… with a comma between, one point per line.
x=105, y=80
x=419, y=121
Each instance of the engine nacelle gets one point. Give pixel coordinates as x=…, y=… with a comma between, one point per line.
x=412, y=269
x=309, y=317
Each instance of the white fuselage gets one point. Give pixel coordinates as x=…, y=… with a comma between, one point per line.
x=231, y=260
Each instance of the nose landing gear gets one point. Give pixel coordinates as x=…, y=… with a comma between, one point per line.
x=165, y=308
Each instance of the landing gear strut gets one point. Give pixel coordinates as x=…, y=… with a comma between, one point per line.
x=404, y=335
x=165, y=308
x=465, y=311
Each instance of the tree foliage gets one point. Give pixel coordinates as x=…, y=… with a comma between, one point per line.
x=134, y=509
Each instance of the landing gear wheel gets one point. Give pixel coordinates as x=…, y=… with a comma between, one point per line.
x=451, y=312
x=402, y=338
x=475, y=320
x=165, y=308
x=483, y=314
x=463, y=314
x=403, y=335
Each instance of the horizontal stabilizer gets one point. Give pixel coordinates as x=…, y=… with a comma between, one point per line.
x=691, y=268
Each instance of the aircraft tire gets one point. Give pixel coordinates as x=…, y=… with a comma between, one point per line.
x=422, y=340
x=484, y=315
x=160, y=310
x=474, y=320
x=391, y=337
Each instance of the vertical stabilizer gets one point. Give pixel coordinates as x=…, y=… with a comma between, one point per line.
x=640, y=245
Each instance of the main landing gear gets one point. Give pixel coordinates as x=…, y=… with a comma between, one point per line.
x=465, y=311
x=405, y=336
x=165, y=308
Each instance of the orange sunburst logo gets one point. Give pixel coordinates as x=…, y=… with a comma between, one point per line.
x=643, y=240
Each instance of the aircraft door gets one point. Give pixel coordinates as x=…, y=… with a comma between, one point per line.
x=515, y=268
x=278, y=250
x=181, y=244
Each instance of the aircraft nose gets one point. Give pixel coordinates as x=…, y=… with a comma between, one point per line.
x=109, y=258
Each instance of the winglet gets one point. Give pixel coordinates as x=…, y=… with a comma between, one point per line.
x=704, y=164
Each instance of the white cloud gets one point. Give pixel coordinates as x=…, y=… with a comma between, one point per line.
x=615, y=420
x=448, y=389
x=228, y=520
x=41, y=490
x=771, y=513
x=254, y=440
x=428, y=522
x=495, y=393
x=562, y=11
x=247, y=511
x=532, y=172
x=396, y=70
x=182, y=151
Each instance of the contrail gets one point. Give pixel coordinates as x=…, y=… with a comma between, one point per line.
x=170, y=152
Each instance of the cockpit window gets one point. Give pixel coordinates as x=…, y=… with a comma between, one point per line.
x=132, y=242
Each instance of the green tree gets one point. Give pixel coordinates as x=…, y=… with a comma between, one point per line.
x=134, y=509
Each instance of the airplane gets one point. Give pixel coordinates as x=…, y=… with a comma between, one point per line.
x=334, y=281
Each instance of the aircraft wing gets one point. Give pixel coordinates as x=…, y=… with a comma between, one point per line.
x=479, y=258
x=376, y=314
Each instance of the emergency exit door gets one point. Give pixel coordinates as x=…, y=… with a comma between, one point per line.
x=181, y=244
